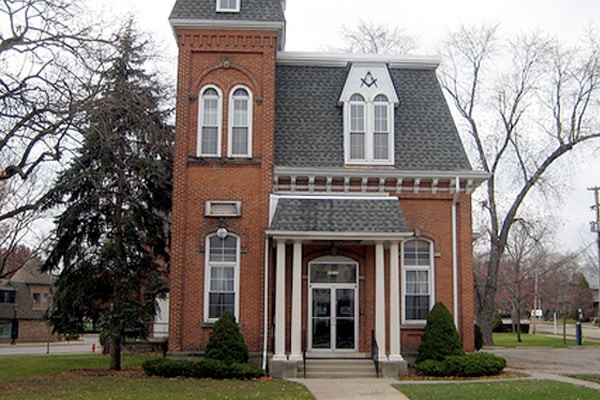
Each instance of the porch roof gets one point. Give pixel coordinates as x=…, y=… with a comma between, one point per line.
x=366, y=218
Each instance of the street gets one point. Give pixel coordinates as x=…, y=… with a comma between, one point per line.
x=83, y=345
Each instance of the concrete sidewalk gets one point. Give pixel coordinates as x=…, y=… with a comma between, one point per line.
x=348, y=389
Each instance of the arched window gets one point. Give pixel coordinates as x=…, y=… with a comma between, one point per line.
x=240, y=122
x=221, y=275
x=381, y=128
x=209, y=122
x=357, y=127
x=369, y=130
x=417, y=266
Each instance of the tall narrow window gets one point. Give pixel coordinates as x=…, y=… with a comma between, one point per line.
x=228, y=5
x=381, y=128
x=357, y=127
x=221, y=276
x=240, y=126
x=418, y=280
x=209, y=115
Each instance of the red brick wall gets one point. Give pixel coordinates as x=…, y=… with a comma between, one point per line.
x=224, y=59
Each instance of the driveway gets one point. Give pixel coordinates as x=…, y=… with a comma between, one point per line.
x=573, y=360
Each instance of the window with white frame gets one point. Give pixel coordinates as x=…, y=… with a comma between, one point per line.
x=240, y=122
x=228, y=5
x=209, y=122
x=417, y=264
x=222, y=276
x=368, y=130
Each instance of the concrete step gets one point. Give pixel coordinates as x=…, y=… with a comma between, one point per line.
x=338, y=368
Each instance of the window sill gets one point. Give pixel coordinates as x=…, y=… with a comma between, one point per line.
x=224, y=161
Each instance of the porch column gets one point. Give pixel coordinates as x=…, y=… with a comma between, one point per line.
x=380, y=300
x=296, y=350
x=279, y=354
x=394, y=304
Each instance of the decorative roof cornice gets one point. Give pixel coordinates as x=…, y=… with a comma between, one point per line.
x=342, y=60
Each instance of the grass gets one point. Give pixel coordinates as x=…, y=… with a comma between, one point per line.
x=509, y=340
x=58, y=377
x=489, y=390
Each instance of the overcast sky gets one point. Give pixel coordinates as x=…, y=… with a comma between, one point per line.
x=313, y=25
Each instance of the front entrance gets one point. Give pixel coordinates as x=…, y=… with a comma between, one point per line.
x=333, y=299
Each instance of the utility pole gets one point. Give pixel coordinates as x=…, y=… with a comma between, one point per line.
x=596, y=190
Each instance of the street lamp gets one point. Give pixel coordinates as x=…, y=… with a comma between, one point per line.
x=15, y=326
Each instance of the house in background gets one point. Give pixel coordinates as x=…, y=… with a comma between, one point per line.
x=24, y=299
x=323, y=199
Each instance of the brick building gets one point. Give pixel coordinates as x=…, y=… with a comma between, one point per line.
x=323, y=199
x=24, y=299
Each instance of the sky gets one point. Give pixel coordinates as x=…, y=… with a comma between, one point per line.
x=314, y=25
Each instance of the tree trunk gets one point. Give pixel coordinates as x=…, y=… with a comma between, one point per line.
x=115, y=352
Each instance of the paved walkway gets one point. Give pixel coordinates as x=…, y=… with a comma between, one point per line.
x=83, y=345
x=347, y=389
x=538, y=363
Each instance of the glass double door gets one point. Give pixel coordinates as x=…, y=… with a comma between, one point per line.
x=333, y=317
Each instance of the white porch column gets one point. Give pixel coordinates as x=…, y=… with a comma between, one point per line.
x=279, y=354
x=394, y=304
x=296, y=350
x=380, y=332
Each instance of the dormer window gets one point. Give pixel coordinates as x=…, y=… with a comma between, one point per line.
x=368, y=98
x=228, y=5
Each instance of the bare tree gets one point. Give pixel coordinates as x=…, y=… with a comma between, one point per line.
x=370, y=38
x=523, y=107
x=45, y=76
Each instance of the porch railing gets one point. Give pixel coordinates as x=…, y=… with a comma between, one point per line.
x=375, y=352
x=304, y=352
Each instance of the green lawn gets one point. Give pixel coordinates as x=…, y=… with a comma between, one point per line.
x=538, y=340
x=490, y=390
x=52, y=377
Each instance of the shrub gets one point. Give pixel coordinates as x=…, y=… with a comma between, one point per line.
x=478, y=338
x=226, y=343
x=472, y=365
x=431, y=368
x=469, y=365
x=214, y=369
x=166, y=367
x=440, y=338
x=497, y=324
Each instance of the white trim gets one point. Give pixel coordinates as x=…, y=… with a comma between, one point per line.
x=342, y=60
x=430, y=268
x=455, y=251
x=201, y=121
x=220, y=9
x=250, y=121
x=236, y=278
x=237, y=25
x=333, y=287
x=477, y=177
x=368, y=236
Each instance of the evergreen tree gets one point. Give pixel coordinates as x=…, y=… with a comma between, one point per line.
x=226, y=343
x=115, y=195
x=440, y=338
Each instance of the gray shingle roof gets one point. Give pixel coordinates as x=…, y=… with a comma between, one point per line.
x=339, y=215
x=255, y=10
x=309, y=121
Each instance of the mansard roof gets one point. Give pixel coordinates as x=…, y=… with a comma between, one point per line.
x=309, y=128
x=205, y=10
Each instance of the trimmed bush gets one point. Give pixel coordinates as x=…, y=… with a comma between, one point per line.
x=440, y=338
x=226, y=343
x=478, y=338
x=469, y=365
x=214, y=369
x=431, y=368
